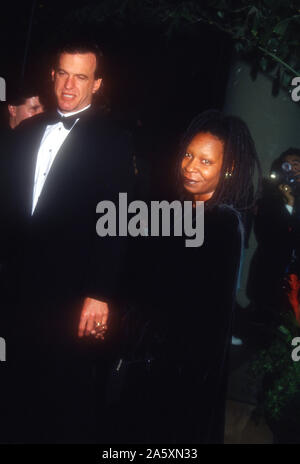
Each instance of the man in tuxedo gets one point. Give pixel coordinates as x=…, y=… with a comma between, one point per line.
x=63, y=277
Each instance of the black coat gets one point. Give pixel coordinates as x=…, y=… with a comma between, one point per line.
x=55, y=256
x=277, y=233
x=51, y=261
x=201, y=288
x=175, y=380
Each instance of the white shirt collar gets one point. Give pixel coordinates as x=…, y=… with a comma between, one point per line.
x=65, y=115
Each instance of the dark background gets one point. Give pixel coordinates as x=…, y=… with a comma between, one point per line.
x=161, y=80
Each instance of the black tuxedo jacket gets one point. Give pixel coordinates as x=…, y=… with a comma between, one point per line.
x=56, y=253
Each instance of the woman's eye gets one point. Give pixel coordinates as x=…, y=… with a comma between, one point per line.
x=187, y=155
x=206, y=161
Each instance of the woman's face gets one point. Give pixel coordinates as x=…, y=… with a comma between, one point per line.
x=201, y=165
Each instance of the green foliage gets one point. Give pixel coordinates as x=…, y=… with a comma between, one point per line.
x=281, y=375
x=266, y=32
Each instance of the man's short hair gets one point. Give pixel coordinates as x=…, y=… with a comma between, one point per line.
x=81, y=46
x=18, y=94
x=290, y=151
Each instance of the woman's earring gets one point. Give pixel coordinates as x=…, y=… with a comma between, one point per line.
x=228, y=174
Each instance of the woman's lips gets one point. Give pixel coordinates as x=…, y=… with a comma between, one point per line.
x=188, y=181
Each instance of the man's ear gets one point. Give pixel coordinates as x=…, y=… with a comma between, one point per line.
x=97, y=85
x=52, y=74
x=12, y=109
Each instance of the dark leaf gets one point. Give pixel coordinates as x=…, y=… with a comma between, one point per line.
x=281, y=27
x=276, y=84
x=286, y=79
x=254, y=69
x=239, y=47
x=264, y=63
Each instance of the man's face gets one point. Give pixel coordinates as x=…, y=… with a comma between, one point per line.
x=294, y=161
x=31, y=107
x=74, y=81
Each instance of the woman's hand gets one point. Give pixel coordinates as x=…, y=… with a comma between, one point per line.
x=93, y=318
x=287, y=193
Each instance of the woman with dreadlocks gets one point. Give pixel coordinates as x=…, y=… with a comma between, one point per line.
x=188, y=329
x=216, y=163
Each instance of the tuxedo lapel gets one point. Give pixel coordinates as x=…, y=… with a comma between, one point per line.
x=64, y=162
x=29, y=165
x=67, y=163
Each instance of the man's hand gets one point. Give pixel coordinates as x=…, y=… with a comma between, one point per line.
x=287, y=193
x=93, y=318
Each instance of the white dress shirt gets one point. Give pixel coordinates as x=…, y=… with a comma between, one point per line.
x=53, y=138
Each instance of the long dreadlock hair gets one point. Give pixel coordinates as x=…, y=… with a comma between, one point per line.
x=235, y=187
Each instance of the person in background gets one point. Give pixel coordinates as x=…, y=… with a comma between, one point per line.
x=273, y=281
x=24, y=104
